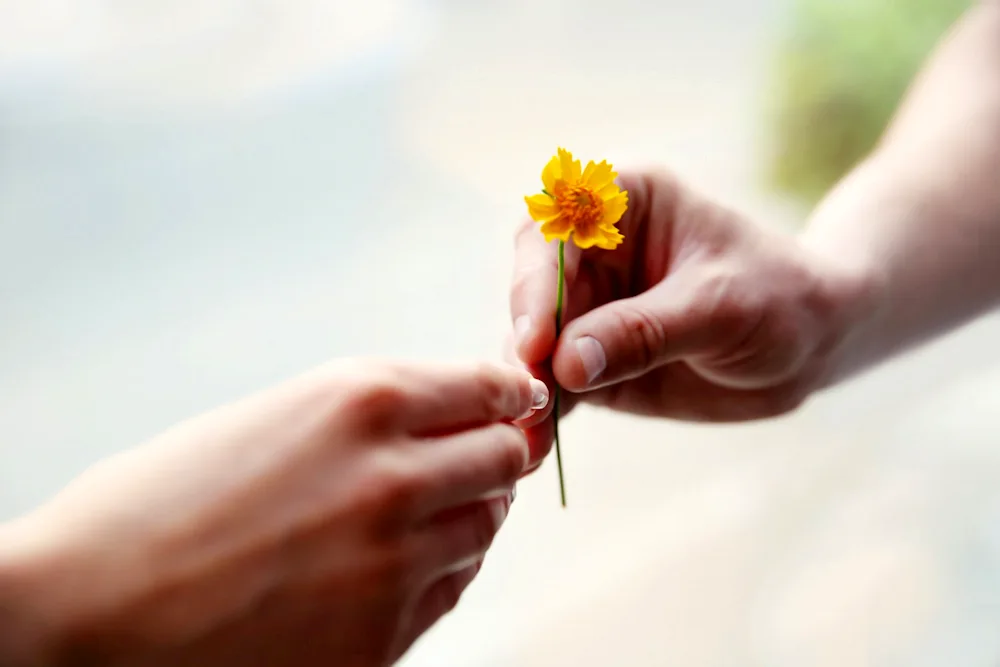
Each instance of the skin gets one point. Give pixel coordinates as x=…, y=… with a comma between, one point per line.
x=330, y=520
x=335, y=518
x=704, y=315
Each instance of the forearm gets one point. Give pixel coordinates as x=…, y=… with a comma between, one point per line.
x=921, y=217
x=24, y=632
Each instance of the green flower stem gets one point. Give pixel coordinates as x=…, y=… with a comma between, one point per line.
x=555, y=403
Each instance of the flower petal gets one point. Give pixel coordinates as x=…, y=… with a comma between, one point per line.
x=615, y=208
x=609, y=190
x=541, y=208
x=610, y=242
x=589, y=236
x=600, y=177
x=594, y=236
x=570, y=167
x=559, y=228
x=585, y=241
x=551, y=174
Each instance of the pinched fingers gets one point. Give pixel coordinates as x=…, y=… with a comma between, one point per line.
x=437, y=398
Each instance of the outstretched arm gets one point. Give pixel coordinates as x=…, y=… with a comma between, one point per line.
x=921, y=215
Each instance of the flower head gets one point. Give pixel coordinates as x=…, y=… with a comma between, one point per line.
x=584, y=205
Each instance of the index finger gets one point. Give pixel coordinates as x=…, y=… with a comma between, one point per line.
x=441, y=398
x=533, y=292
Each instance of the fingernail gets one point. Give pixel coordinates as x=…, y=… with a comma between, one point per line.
x=592, y=357
x=522, y=326
x=539, y=394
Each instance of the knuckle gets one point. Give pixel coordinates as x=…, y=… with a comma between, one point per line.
x=719, y=295
x=645, y=334
x=396, y=486
x=488, y=372
x=511, y=451
x=654, y=192
x=665, y=183
x=721, y=300
x=491, y=384
x=376, y=400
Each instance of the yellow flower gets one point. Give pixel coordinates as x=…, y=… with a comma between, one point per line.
x=583, y=204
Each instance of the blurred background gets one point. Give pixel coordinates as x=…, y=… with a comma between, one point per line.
x=198, y=199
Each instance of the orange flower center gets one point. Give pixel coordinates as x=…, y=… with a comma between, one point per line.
x=579, y=204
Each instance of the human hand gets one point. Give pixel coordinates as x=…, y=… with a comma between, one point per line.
x=330, y=520
x=700, y=314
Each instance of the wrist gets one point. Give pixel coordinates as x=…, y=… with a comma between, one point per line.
x=854, y=290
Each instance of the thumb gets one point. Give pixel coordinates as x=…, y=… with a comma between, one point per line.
x=625, y=339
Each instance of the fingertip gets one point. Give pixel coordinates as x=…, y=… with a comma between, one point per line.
x=542, y=386
x=539, y=394
x=536, y=399
x=534, y=417
x=540, y=435
x=534, y=338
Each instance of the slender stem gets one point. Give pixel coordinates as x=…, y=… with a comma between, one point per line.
x=555, y=403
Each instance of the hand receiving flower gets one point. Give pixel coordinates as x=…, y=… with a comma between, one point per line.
x=330, y=520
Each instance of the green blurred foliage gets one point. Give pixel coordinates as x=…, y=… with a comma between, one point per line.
x=839, y=76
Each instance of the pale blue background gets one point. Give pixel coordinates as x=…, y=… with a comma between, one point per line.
x=198, y=199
